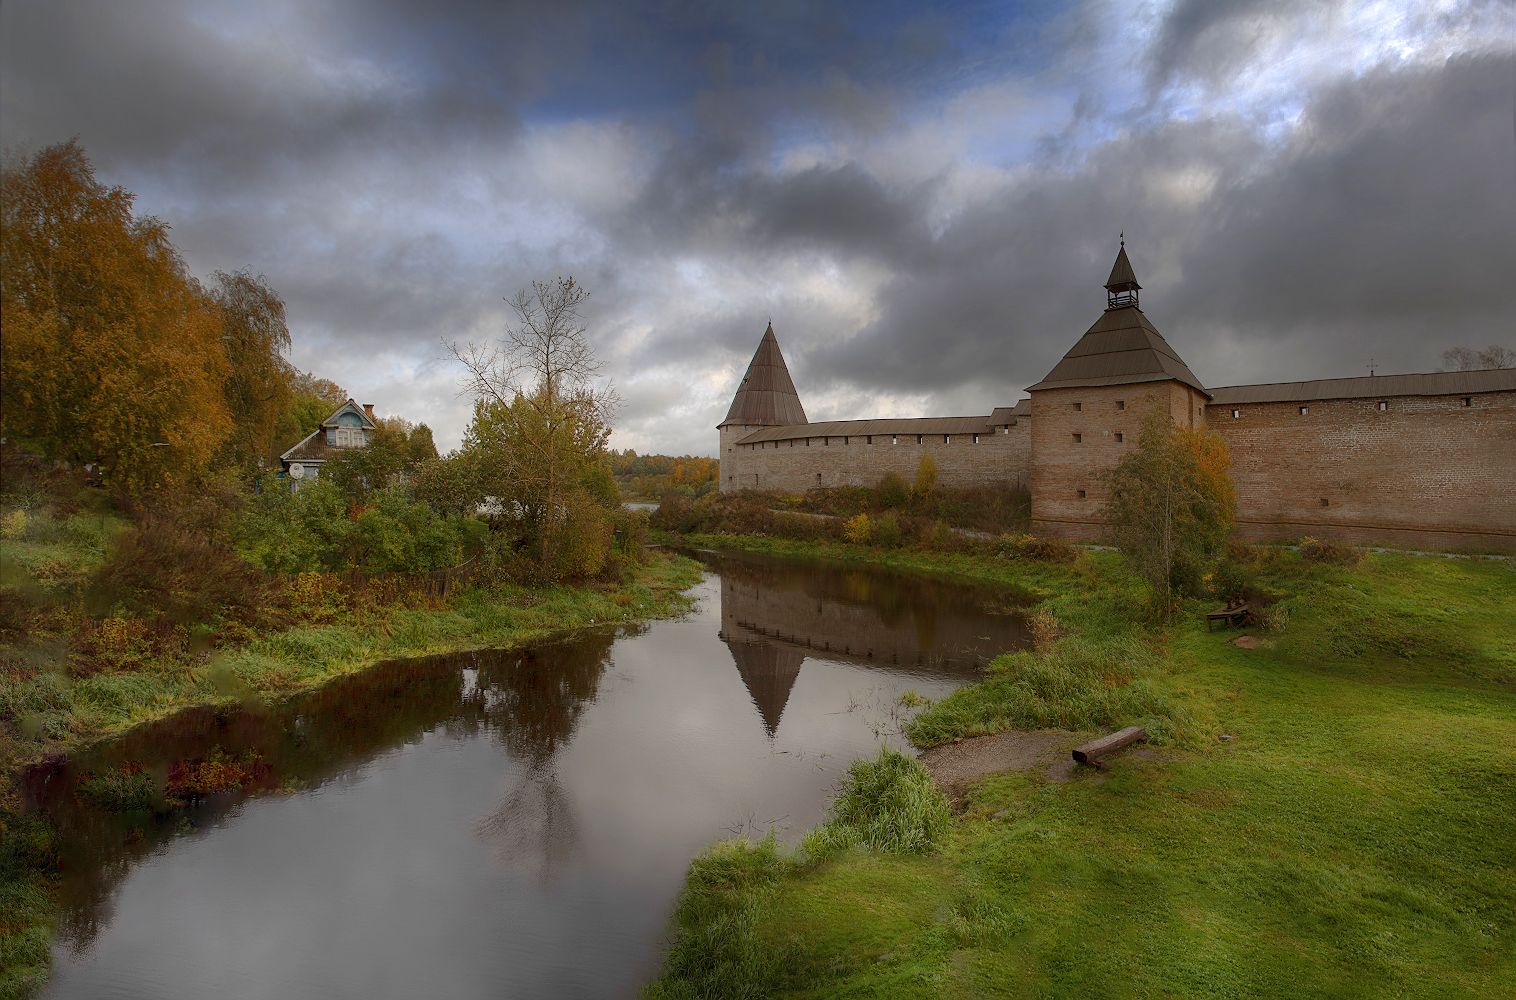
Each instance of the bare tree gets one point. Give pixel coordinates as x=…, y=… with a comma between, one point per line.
x=540, y=412
x=1462, y=359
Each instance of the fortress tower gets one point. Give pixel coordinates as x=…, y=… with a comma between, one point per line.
x=1086, y=412
x=766, y=397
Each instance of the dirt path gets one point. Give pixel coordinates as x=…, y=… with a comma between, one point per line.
x=954, y=765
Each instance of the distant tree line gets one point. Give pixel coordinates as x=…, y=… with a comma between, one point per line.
x=649, y=477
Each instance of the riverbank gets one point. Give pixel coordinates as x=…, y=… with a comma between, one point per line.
x=51, y=714
x=1329, y=812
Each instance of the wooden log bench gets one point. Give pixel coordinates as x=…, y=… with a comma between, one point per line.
x=1092, y=752
x=1232, y=614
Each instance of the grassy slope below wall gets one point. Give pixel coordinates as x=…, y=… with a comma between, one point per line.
x=1352, y=839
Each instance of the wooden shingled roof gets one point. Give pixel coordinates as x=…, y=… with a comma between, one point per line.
x=882, y=427
x=1121, y=347
x=767, y=395
x=1370, y=386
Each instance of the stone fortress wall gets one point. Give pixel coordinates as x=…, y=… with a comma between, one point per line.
x=1412, y=461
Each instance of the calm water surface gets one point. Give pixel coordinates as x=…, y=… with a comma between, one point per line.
x=509, y=823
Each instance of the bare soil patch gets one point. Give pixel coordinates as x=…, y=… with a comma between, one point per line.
x=955, y=765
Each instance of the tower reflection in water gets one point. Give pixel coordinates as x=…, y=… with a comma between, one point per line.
x=775, y=615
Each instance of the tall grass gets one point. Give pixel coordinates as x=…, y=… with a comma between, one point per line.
x=886, y=804
x=889, y=804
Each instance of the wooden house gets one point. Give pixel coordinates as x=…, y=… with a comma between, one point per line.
x=349, y=426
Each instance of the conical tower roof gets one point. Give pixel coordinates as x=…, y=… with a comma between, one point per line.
x=1122, y=276
x=769, y=672
x=767, y=396
x=1122, y=347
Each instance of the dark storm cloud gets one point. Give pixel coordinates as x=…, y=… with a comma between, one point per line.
x=1382, y=225
x=398, y=168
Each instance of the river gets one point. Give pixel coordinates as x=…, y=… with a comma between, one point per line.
x=506, y=823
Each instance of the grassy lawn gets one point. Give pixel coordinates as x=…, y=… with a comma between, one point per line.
x=1354, y=837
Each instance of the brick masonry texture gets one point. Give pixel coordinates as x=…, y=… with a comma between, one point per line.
x=1425, y=472
x=800, y=464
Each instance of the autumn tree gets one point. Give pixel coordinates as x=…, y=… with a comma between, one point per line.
x=1171, y=500
x=541, y=419
x=110, y=351
x=259, y=386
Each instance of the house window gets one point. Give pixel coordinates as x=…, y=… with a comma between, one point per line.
x=1384, y=404
x=1078, y=438
x=1080, y=493
x=1305, y=411
x=1236, y=414
x=1119, y=437
x=1120, y=404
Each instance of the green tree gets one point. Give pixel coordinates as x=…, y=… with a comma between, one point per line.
x=541, y=420
x=1171, y=500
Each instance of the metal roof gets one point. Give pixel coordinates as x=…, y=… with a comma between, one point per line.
x=903, y=426
x=766, y=394
x=1121, y=347
x=1364, y=386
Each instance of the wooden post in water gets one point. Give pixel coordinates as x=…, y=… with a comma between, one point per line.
x=1091, y=752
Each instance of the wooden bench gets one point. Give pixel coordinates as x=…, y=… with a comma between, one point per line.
x=1232, y=614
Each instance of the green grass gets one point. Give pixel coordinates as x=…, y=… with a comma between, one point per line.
x=1353, y=839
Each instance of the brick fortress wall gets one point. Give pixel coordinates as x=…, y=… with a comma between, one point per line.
x=804, y=463
x=1425, y=472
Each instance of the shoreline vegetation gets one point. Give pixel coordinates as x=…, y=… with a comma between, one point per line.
x=1329, y=809
x=89, y=681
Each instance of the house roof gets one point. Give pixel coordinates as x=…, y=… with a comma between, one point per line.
x=313, y=449
x=353, y=407
x=1121, y=347
x=766, y=395
x=864, y=428
x=1364, y=386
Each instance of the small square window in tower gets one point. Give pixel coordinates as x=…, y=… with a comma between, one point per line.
x=1120, y=404
x=1468, y=401
x=1120, y=437
x=1078, y=407
x=1080, y=494
x=1078, y=438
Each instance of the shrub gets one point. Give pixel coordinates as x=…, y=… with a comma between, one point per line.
x=1329, y=552
x=893, y=491
x=858, y=529
x=163, y=569
x=887, y=530
x=888, y=804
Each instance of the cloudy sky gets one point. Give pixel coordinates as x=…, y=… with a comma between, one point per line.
x=925, y=200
